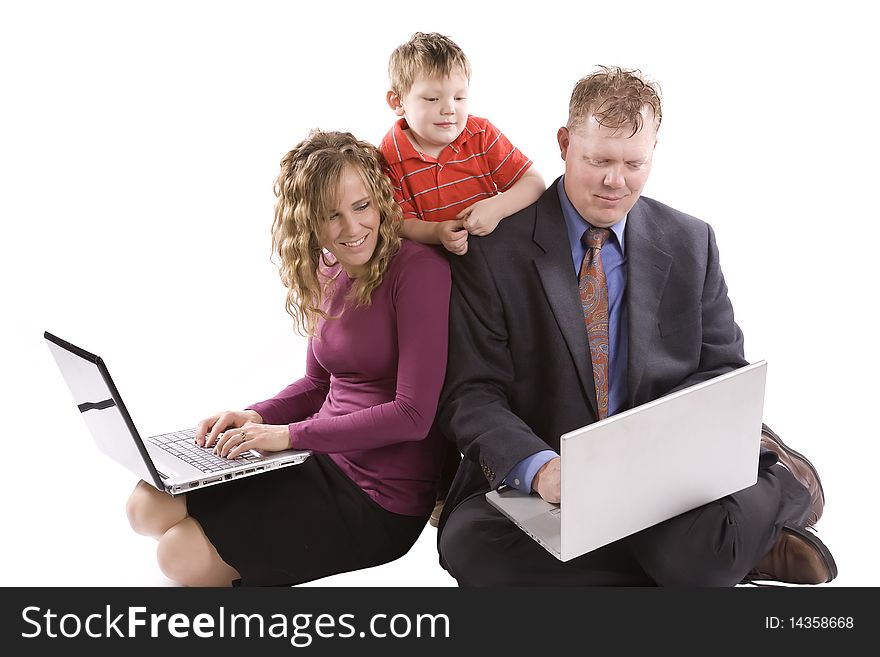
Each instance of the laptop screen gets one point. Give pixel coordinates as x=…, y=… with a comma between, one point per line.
x=102, y=408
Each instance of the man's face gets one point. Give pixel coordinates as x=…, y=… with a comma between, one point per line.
x=435, y=110
x=605, y=169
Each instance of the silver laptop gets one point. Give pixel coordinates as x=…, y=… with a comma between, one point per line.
x=171, y=462
x=645, y=465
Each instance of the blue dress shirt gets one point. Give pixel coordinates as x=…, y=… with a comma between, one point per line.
x=613, y=257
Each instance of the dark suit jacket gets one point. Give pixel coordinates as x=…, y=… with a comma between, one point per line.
x=519, y=372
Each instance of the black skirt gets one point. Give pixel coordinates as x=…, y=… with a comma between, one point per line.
x=299, y=524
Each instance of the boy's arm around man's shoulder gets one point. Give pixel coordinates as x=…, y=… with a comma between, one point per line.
x=482, y=217
x=450, y=233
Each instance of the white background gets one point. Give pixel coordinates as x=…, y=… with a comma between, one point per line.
x=140, y=142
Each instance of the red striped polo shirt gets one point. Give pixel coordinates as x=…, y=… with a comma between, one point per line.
x=480, y=163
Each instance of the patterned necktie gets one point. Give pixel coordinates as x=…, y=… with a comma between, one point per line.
x=594, y=299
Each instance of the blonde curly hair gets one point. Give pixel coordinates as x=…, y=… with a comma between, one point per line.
x=307, y=191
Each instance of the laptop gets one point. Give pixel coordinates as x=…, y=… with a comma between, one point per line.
x=640, y=467
x=171, y=462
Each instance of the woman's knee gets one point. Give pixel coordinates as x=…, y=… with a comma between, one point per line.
x=175, y=556
x=137, y=508
x=186, y=556
x=151, y=512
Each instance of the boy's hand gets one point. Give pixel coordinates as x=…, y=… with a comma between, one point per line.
x=482, y=217
x=453, y=236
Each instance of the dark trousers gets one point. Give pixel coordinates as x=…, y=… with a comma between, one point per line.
x=712, y=545
x=451, y=461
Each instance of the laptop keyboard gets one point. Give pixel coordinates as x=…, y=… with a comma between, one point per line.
x=182, y=445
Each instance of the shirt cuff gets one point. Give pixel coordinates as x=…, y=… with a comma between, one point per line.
x=522, y=474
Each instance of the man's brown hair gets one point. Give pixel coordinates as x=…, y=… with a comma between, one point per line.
x=616, y=97
x=425, y=55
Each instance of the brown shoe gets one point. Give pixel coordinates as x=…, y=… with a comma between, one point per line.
x=798, y=557
x=801, y=468
x=435, y=514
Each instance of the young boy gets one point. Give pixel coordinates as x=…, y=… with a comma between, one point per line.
x=453, y=174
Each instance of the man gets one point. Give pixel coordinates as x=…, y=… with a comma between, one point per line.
x=589, y=302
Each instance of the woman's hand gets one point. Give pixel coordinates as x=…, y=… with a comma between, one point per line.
x=266, y=437
x=209, y=429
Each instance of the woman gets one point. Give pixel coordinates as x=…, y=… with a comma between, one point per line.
x=375, y=308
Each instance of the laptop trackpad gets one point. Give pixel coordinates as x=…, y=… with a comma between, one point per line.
x=535, y=516
x=546, y=528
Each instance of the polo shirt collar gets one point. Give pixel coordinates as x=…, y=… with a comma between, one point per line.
x=404, y=150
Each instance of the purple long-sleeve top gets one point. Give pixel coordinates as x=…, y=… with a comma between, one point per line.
x=373, y=380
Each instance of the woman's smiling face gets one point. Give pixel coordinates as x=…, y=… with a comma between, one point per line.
x=351, y=229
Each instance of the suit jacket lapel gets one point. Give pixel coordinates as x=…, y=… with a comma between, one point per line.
x=560, y=283
x=647, y=269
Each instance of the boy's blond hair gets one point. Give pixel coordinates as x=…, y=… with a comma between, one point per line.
x=425, y=55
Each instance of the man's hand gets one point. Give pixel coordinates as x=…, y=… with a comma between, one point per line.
x=548, y=481
x=453, y=236
x=482, y=217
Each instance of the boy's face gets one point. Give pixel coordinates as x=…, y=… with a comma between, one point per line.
x=435, y=110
